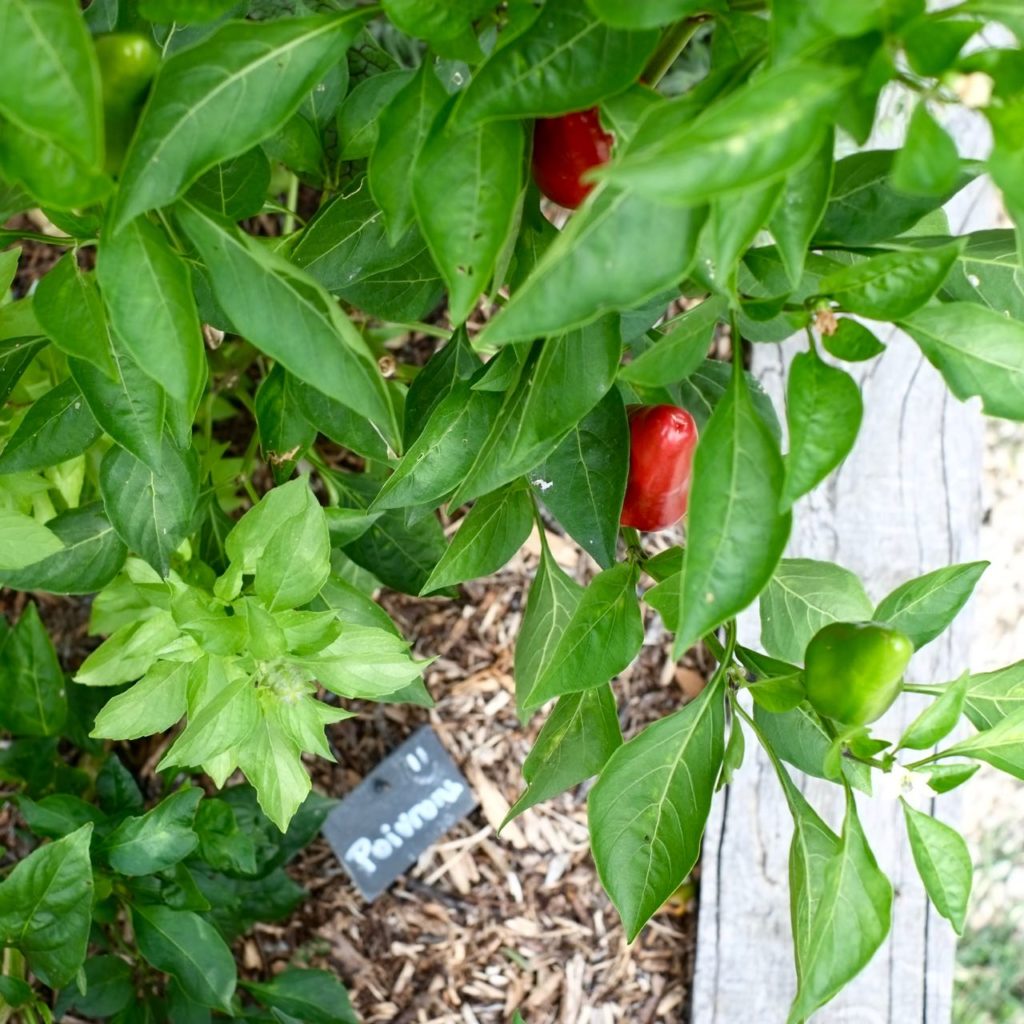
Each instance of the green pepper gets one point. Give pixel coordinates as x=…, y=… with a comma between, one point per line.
x=853, y=671
x=128, y=61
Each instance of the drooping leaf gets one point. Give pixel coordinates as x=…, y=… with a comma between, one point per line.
x=601, y=638
x=735, y=536
x=583, y=481
x=824, y=410
x=217, y=99
x=648, y=809
x=943, y=862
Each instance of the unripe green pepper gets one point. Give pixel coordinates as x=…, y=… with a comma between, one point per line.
x=853, y=670
x=128, y=61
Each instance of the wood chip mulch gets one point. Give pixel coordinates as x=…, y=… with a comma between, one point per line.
x=486, y=924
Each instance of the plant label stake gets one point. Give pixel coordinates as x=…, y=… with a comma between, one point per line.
x=409, y=801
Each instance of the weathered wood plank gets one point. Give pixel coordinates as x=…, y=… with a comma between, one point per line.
x=907, y=500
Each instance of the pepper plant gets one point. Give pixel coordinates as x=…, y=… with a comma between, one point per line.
x=220, y=416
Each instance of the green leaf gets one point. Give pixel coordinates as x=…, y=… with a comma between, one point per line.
x=217, y=99
x=824, y=410
x=401, y=552
x=148, y=294
x=865, y=208
x=928, y=163
x=735, y=537
x=780, y=693
x=648, y=809
x=183, y=945
x=283, y=543
x=130, y=406
x=360, y=113
x=987, y=273
x=53, y=85
x=938, y=719
x=756, y=135
x=364, y=662
x=272, y=762
x=223, y=718
x=577, y=739
x=309, y=995
x=922, y=608
x=849, y=920
x=290, y=317
x=70, y=310
x=565, y=61
x=439, y=458
x=236, y=188
x=945, y=777
x=436, y=381
x=943, y=862
x=583, y=481
x=466, y=189
x=285, y=432
x=618, y=251
x=341, y=424
x=734, y=223
x=24, y=541
x=552, y=599
x=852, y=341
x=52, y=176
x=1001, y=746
x=647, y=13
x=799, y=738
x=158, y=839
x=734, y=753
x=977, y=351
x=804, y=198
x=58, y=814
x=33, y=701
x=109, y=987
x=492, y=532
x=562, y=379
x=57, y=427
x=116, y=789
x=680, y=350
x=404, y=125
x=46, y=907
x=602, y=637
x=130, y=651
x=151, y=510
x=1005, y=11
x=345, y=248
x=993, y=696
x=804, y=595
x=893, y=285
x=438, y=23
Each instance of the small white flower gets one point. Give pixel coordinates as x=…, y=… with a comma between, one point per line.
x=974, y=90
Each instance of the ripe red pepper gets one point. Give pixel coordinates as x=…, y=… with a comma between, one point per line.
x=661, y=443
x=563, y=149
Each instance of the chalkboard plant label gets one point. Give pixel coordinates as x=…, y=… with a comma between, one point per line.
x=408, y=802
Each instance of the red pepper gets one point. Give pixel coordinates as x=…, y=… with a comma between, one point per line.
x=661, y=443
x=563, y=149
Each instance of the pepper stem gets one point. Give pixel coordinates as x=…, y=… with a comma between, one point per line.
x=634, y=548
x=671, y=44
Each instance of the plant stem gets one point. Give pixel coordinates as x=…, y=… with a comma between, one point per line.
x=633, y=546
x=291, y=202
x=672, y=43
